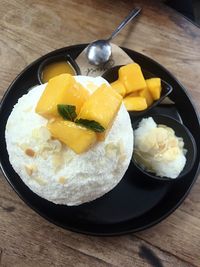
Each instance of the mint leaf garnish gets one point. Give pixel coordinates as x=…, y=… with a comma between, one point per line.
x=68, y=112
x=90, y=124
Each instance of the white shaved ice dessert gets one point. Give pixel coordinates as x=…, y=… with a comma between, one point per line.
x=51, y=169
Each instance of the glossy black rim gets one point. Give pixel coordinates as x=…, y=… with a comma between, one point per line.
x=146, y=220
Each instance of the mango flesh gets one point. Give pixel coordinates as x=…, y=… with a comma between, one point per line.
x=154, y=86
x=135, y=103
x=147, y=95
x=136, y=93
x=62, y=89
x=102, y=136
x=78, y=138
x=102, y=106
x=119, y=87
x=132, y=78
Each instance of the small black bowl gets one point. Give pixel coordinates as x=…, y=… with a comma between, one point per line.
x=180, y=131
x=111, y=75
x=57, y=58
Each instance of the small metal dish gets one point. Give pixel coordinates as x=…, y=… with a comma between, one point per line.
x=180, y=131
x=57, y=58
x=111, y=75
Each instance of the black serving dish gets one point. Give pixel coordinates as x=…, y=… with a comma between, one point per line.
x=135, y=203
x=111, y=75
x=189, y=144
x=57, y=58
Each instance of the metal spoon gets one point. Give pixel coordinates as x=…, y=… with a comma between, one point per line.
x=99, y=52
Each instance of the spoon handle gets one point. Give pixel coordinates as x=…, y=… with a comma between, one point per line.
x=132, y=15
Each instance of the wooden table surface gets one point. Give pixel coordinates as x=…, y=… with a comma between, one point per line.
x=31, y=28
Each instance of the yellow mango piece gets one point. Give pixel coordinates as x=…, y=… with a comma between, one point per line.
x=102, y=106
x=119, y=87
x=132, y=78
x=147, y=95
x=78, y=138
x=154, y=86
x=62, y=89
x=135, y=103
x=136, y=93
x=102, y=136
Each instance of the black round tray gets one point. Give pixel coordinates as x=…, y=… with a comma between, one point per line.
x=136, y=203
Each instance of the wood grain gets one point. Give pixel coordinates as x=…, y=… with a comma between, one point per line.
x=31, y=28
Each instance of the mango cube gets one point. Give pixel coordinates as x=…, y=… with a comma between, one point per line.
x=102, y=136
x=78, y=138
x=62, y=89
x=147, y=95
x=136, y=93
x=102, y=106
x=135, y=103
x=154, y=86
x=132, y=78
x=119, y=87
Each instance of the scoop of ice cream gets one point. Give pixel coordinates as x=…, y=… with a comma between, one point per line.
x=158, y=149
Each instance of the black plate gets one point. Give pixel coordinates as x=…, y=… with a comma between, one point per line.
x=134, y=204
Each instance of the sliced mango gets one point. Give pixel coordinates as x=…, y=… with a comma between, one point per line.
x=154, y=86
x=78, y=138
x=147, y=95
x=135, y=103
x=62, y=89
x=132, y=78
x=102, y=136
x=136, y=93
x=119, y=87
x=102, y=106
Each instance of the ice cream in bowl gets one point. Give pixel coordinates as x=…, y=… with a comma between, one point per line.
x=164, y=148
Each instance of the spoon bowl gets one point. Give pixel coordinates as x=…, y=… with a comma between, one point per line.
x=99, y=52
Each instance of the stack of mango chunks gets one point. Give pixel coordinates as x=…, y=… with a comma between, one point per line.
x=137, y=92
x=96, y=110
